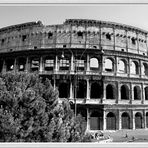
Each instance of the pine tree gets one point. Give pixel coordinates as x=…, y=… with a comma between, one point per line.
x=30, y=112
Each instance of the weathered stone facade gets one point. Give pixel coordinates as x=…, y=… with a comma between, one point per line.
x=100, y=66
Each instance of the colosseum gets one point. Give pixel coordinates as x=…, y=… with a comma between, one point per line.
x=100, y=67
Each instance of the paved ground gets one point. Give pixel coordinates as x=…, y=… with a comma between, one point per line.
x=138, y=135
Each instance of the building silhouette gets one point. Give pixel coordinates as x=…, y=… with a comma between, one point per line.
x=100, y=67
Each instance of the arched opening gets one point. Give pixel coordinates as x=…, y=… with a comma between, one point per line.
x=81, y=89
x=109, y=65
x=111, y=121
x=64, y=90
x=96, y=121
x=134, y=68
x=9, y=64
x=147, y=120
x=146, y=93
x=122, y=66
x=138, y=120
x=137, y=93
x=48, y=64
x=110, y=92
x=145, y=69
x=96, y=90
x=21, y=64
x=94, y=65
x=125, y=121
x=124, y=92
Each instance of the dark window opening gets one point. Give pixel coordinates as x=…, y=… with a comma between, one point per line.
x=96, y=121
x=24, y=37
x=64, y=64
x=96, y=90
x=110, y=92
x=137, y=93
x=80, y=34
x=133, y=41
x=49, y=64
x=145, y=65
x=111, y=121
x=50, y=35
x=64, y=46
x=81, y=89
x=35, y=65
x=95, y=47
x=147, y=120
x=35, y=47
x=125, y=121
x=10, y=64
x=108, y=36
x=146, y=93
x=124, y=92
x=138, y=120
x=63, y=90
x=2, y=41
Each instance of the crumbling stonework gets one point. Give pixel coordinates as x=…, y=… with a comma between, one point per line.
x=100, y=67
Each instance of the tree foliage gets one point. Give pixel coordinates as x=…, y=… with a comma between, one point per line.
x=30, y=112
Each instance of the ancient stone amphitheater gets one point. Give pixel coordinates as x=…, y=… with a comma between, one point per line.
x=100, y=67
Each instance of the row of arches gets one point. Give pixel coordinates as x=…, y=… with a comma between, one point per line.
x=96, y=121
x=125, y=92
x=123, y=66
x=49, y=64
x=96, y=91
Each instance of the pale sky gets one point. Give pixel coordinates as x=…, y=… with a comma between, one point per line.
x=130, y=14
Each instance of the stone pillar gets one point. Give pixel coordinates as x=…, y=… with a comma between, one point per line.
x=15, y=65
x=56, y=63
x=88, y=90
x=144, y=119
x=88, y=63
x=27, y=65
x=133, y=120
x=131, y=94
x=72, y=62
x=4, y=67
x=115, y=66
x=118, y=93
x=41, y=65
x=139, y=68
x=104, y=119
x=104, y=93
x=143, y=93
x=120, y=120
x=129, y=66
x=88, y=120
x=71, y=90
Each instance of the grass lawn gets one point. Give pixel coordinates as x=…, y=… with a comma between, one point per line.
x=138, y=135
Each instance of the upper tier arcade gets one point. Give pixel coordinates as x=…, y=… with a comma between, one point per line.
x=74, y=33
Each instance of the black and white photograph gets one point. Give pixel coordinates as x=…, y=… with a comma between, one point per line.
x=74, y=74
